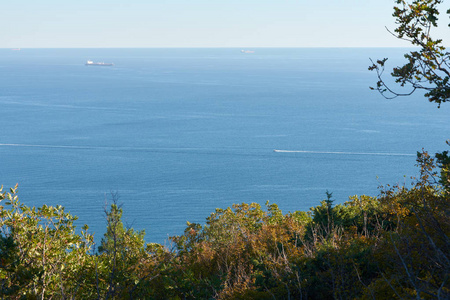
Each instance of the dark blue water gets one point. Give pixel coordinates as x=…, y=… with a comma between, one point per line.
x=180, y=132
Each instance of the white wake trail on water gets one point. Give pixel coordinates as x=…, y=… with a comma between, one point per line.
x=190, y=149
x=110, y=148
x=344, y=153
x=46, y=146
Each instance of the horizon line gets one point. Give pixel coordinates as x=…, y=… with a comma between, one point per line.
x=217, y=47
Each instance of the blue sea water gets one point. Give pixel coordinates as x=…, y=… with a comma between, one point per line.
x=180, y=132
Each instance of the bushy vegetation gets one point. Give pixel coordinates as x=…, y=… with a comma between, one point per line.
x=392, y=246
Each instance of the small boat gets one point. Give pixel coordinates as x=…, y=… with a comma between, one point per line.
x=91, y=63
x=247, y=51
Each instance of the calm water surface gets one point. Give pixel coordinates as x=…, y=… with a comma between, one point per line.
x=180, y=132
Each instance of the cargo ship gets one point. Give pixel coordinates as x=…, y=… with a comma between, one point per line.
x=91, y=63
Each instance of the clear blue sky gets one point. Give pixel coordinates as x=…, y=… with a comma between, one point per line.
x=199, y=23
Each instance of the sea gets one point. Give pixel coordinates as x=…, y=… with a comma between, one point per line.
x=176, y=133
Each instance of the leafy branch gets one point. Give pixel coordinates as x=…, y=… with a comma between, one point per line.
x=427, y=68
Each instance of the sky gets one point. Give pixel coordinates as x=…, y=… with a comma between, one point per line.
x=199, y=23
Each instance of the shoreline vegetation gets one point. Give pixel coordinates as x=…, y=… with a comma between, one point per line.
x=395, y=245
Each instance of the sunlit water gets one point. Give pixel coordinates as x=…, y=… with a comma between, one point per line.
x=180, y=132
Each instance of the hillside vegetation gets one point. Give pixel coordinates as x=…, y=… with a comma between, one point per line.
x=392, y=246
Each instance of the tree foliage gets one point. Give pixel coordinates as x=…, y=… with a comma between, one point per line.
x=428, y=67
x=41, y=256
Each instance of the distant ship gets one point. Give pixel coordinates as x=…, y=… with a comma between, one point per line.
x=16, y=49
x=91, y=63
x=247, y=51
